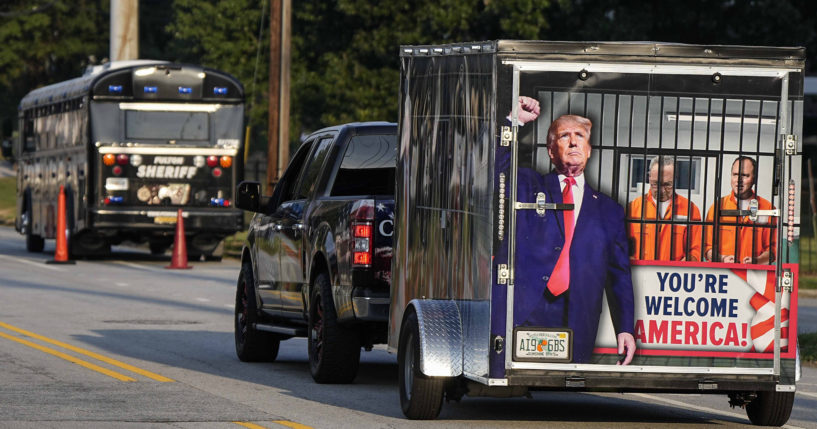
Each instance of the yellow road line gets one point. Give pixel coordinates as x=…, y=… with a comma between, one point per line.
x=69, y=358
x=291, y=424
x=91, y=354
x=287, y=423
x=249, y=425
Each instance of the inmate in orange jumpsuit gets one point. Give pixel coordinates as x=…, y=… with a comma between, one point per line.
x=672, y=239
x=752, y=241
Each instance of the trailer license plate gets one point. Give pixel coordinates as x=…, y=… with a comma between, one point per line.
x=542, y=344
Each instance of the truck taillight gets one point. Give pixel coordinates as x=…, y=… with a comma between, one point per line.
x=363, y=244
x=362, y=214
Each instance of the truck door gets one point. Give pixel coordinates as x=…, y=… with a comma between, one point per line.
x=663, y=139
x=269, y=264
x=292, y=227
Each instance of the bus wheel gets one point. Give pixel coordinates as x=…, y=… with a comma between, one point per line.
x=87, y=244
x=770, y=408
x=158, y=247
x=34, y=243
x=421, y=397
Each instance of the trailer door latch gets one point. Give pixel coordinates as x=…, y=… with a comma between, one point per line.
x=498, y=344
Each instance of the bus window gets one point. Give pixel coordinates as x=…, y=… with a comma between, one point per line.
x=166, y=125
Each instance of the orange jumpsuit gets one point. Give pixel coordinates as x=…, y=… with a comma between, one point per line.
x=752, y=241
x=673, y=239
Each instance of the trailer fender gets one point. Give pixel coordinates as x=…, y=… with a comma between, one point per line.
x=440, y=337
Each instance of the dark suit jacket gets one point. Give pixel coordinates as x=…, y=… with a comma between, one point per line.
x=598, y=260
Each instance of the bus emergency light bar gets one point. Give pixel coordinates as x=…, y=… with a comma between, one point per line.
x=170, y=107
x=729, y=119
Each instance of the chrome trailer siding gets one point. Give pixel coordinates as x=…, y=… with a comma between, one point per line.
x=443, y=230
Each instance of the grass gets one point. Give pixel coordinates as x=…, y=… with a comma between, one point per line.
x=8, y=199
x=808, y=348
x=233, y=244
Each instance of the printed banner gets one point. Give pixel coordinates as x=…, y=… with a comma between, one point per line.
x=688, y=310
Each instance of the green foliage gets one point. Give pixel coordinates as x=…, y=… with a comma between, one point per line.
x=8, y=199
x=45, y=42
x=224, y=35
x=345, y=62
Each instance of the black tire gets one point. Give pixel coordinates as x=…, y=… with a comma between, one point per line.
x=34, y=242
x=421, y=397
x=158, y=247
x=770, y=408
x=334, y=349
x=251, y=345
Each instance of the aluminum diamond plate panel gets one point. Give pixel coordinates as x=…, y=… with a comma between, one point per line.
x=440, y=337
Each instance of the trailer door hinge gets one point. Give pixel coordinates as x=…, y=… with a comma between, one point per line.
x=507, y=136
x=503, y=274
x=790, y=143
x=786, y=282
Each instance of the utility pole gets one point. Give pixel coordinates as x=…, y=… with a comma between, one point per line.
x=280, y=57
x=124, y=43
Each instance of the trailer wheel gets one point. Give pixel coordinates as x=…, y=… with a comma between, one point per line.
x=251, y=345
x=770, y=408
x=34, y=242
x=334, y=349
x=421, y=397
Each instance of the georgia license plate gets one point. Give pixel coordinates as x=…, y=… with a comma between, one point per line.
x=542, y=344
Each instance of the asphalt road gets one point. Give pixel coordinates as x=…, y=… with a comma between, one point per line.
x=125, y=343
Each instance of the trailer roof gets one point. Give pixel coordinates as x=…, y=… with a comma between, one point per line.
x=622, y=51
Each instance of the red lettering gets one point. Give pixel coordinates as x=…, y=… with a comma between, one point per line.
x=713, y=336
x=677, y=331
x=732, y=335
x=658, y=333
x=691, y=333
x=703, y=334
x=640, y=335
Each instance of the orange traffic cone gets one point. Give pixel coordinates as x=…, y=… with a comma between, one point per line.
x=179, y=259
x=61, y=253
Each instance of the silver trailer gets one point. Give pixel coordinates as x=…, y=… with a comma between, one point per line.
x=701, y=299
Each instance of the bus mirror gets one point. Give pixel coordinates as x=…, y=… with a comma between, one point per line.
x=249, y=196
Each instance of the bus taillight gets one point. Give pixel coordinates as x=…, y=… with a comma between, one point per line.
x=109, y=159
x=226, y=161
x=122, y=159
x=212, y=161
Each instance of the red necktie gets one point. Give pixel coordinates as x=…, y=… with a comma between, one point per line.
x=560, y=278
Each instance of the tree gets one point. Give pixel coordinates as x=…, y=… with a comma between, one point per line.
x=224, y=35
x=46, y=42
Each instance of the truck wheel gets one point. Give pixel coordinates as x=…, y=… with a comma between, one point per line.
x=251, y=345
x=334, y=349
x=34, y=243
x=770, y=408
x=421, y=397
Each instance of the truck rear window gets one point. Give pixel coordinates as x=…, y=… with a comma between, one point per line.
x=367, y=167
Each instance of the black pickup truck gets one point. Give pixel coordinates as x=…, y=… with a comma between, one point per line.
x=317, y=259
